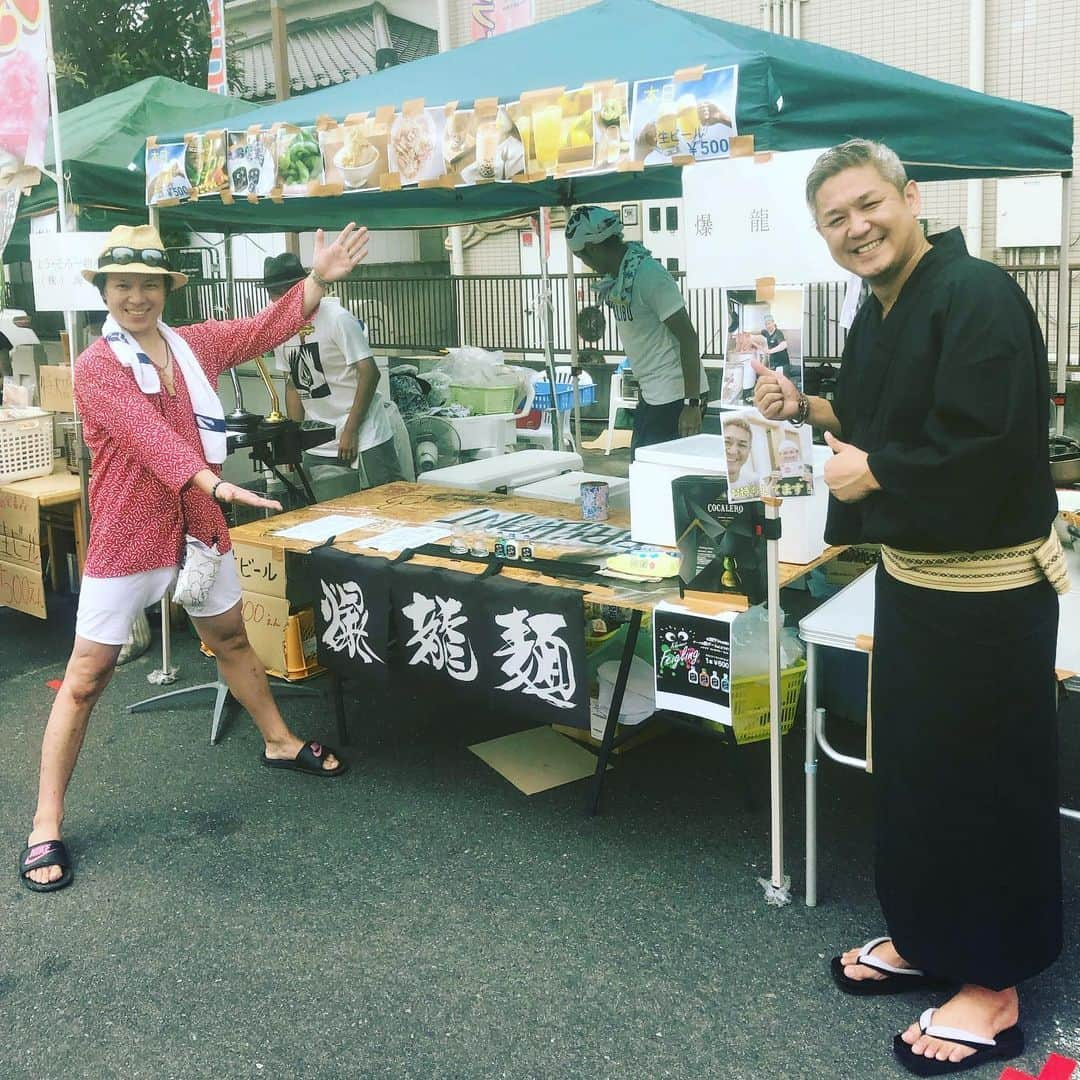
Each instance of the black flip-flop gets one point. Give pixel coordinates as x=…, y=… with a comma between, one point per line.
x=1007, y=1044
x=897, y=980
x=49, y=853
x=309, y=760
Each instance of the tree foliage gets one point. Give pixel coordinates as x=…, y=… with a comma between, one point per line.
x=105, y=45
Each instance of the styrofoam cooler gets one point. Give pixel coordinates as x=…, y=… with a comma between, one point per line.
x=652, y=517
x=508, y=471
x=483, y=432
x=567, y=489
x=802, y=520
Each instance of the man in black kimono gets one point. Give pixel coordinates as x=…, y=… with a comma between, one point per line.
x=939, y=429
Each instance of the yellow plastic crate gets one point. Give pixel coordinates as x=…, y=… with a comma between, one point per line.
x=750, y=703
x=484, y=400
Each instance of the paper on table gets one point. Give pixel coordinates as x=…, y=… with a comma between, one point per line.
x=325, y=527
x=409, y=536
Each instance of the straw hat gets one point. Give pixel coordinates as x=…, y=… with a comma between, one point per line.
x=125, y=251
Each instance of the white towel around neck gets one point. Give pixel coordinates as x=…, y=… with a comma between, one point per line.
x=209, y=414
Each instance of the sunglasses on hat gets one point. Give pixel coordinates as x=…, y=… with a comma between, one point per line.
x=124, y=256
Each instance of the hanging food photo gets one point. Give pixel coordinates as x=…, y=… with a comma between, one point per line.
x=416, y=145
x=555, y=129
x=205, y=163
x=251, y=163
x=694, y=117
x=166, y=175
x=354, y=155
x=611, y=113
x=299, y=161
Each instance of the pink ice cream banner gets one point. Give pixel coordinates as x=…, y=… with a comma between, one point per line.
x=23, y=86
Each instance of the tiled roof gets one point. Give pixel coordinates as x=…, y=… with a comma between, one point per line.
x=323, y=52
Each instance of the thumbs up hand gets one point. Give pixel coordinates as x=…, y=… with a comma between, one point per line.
x=775, y=395
x=847, y=472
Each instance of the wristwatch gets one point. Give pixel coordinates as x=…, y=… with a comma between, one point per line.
x=691, y=401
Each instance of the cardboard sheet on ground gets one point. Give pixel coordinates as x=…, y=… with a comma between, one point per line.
x=537, y=759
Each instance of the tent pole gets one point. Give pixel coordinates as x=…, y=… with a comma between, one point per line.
x=69, y=316
x=778, y=888
x=1064, y=308
x=549, y=327
x=571, y=323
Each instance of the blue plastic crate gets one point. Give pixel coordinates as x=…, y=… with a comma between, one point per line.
x=564, y=395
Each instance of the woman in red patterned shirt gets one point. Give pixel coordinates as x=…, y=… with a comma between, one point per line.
x=156, y=433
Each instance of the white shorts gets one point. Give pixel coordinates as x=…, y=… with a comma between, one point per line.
x=109, y=606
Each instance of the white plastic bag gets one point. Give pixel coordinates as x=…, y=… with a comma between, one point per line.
x=197, y=575
x=750, y=643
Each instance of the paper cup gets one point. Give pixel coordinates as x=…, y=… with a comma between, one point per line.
x=594, y=500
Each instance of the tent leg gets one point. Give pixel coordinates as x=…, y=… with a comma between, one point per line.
x=571, y=323
x=1064, y=307
x=549, y=327
x=778, y=886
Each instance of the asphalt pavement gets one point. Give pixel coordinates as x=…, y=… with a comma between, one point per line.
x=420, y=918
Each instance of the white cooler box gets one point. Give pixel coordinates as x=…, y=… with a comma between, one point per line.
x=567, y=489
x=495, y=431
x=652, y=520
x=506, y=472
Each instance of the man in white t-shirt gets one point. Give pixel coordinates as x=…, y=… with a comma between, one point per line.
x=330, y=375
x=654, y=327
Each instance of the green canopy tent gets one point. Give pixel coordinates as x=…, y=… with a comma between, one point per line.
x=792, y=95
x=99, y=141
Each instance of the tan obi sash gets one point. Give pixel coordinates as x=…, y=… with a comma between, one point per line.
x=993, y=570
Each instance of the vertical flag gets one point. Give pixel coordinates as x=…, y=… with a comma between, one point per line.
x=24, y=90
x=491, y=17
x=216, y=81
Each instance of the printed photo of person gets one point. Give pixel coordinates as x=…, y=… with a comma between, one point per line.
x=791, y=454
x=743, y=348
x=768, y=332
x=745, y=450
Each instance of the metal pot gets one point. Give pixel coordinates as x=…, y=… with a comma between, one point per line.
x=1064, y=461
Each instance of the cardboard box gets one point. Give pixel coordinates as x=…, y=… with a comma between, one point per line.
x=22, y=588
x=20, y=530
x=283, y=639
x=274, y=572
x=54, y=389
x=852, y=563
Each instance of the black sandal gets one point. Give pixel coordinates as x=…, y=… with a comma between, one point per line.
x=897, y=980
x=1005, y=1045
x=49, y=853
x=309, y=760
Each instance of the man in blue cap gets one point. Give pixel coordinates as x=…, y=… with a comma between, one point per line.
x=656, y=333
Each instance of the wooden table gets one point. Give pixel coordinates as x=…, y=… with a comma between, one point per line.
x=58, y=490
x=420, y=504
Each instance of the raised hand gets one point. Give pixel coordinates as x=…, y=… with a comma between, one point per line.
x=775, y=395
x=332, y=262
